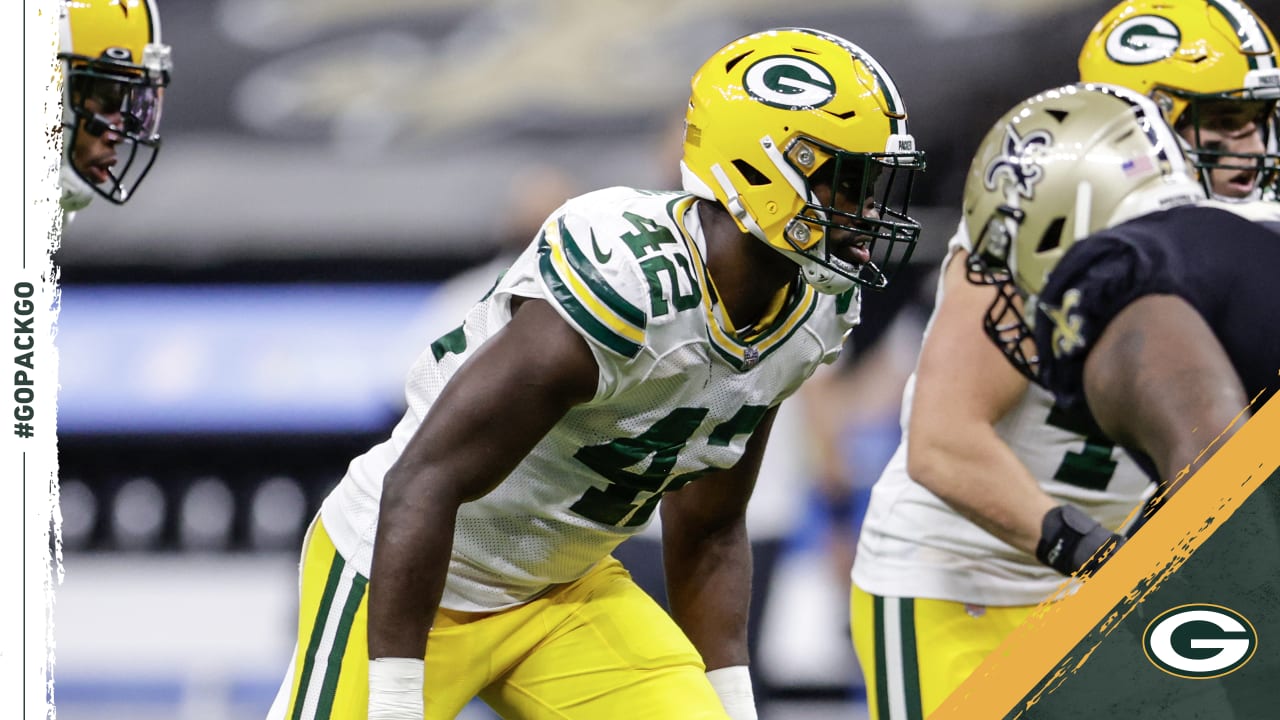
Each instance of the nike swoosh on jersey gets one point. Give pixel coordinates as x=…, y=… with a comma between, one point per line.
x=601, y=257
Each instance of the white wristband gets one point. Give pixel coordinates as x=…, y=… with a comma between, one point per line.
x=395, y=689
x=733, y=685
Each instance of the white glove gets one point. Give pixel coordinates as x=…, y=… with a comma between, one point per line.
x=733, y=685
x=395, y=689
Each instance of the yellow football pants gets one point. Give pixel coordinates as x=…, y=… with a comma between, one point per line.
x=915, y=651
x=598, y=648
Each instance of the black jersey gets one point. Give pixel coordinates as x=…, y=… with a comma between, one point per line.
x=1226, y=265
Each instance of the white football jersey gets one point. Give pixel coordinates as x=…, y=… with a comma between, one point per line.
x=679, y=394
x=913, y=544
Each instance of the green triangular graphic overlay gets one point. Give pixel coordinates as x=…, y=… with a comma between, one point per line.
x=1236, y=569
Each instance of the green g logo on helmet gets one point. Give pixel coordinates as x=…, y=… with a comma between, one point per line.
x=1143, y=39
x=789, y=82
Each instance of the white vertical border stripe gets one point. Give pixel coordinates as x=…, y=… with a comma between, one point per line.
x=29, y=382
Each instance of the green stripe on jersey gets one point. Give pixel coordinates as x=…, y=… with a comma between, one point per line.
x=577, y=311
x=882, y=662
x=317, y=633
x=332, y=665
x=910, y=659
x=595, y=281
x=324, y=708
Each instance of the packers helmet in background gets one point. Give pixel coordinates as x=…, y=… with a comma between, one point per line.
x=775, y=114
x=115, y=70
x=1056, y=168
x=1188, y=56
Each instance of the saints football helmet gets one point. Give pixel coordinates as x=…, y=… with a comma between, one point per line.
x=115, y=70
x=802, y=136
x=1191, y=56
x=1056, y=168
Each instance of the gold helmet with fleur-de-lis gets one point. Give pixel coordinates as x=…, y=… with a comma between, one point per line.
x=1058, y=167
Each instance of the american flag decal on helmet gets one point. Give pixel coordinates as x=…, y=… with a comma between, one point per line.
x=1137, y=166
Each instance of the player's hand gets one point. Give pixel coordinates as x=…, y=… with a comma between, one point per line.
x=1073, y=543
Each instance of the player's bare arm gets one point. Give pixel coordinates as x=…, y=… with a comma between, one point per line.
x=1158, y=379
x=469, y=441
x=963, y=387
x=708, y=558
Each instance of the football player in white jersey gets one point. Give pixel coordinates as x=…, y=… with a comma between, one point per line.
x=114, y=70
x=1156, y=316
x=638, y=349
x=955, y=548
x=1110, y=296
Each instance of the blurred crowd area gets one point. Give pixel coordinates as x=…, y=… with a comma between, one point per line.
x=338, y=182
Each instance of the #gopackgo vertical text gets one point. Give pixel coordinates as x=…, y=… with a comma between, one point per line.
x=31, y=224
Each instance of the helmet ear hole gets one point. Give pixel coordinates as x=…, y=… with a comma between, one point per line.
x=752, y=175
x=1052, y=236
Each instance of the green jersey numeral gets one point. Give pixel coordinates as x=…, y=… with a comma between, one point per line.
x=619, y=503
x=659, y=264
x=1092, y=467
x=649, y=238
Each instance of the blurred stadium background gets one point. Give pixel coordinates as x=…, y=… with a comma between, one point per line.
x=236, y=333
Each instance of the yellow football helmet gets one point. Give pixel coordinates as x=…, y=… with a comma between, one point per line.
x=1056, y=168
x=1190, y=54
x=776, y=114
x=115, y=70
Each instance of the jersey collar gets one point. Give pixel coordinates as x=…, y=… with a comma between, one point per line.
x=743, y=353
